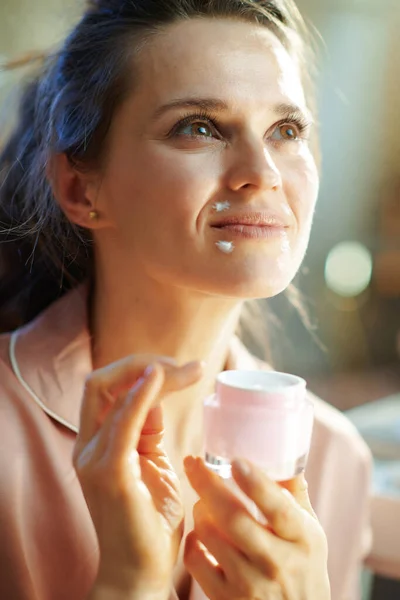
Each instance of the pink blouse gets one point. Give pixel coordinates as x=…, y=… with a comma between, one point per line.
x=48, y=547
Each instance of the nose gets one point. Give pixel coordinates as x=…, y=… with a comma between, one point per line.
x=253, y=167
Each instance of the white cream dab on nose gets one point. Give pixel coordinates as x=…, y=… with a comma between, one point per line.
x=226, y=247
x=221, y=206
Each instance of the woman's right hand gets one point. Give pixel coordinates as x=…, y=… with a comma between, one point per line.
x=130, y=487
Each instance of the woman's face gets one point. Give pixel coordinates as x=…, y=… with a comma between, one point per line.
x=210, y=183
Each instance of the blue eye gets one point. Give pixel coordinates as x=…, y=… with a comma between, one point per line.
x=196, y=129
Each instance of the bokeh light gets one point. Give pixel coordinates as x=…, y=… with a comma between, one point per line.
x=348, y=269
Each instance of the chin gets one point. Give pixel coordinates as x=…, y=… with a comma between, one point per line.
x=235, y=276
x=248, y=286
x=251, y=290
x=251, y=279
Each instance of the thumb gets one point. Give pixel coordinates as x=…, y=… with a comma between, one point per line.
x=298, y=487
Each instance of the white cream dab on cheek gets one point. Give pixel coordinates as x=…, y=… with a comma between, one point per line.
x=221, y=206
x=225, y=247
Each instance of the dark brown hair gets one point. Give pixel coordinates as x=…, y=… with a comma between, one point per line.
x=68, y=108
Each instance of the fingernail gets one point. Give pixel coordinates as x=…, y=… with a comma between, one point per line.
x=243, y=466
x=303, y=483
x=148, y=371
x=140, y=382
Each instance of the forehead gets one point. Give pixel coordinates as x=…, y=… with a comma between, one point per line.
x=237, y=61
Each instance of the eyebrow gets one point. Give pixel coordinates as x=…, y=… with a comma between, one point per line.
x=215, y=105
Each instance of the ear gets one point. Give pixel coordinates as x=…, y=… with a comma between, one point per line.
x=76, y=193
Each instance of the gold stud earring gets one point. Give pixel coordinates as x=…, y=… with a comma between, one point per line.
x=93, y=215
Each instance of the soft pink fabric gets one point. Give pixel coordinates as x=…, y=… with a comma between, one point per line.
x=48, y=548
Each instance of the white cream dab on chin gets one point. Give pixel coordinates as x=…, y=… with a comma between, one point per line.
x=225, y=247
x=221, y=206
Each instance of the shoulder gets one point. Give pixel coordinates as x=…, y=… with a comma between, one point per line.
x=334, y=431
x=15, y=405
x=8, y=380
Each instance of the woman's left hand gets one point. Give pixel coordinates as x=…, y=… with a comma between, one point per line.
x=283, y=560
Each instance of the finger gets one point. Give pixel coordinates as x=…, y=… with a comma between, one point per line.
x=285, y=517
x=164, y=488
x=203, y=568
x=104, y=385
x=298, y=487
x=152, y=434
x=246, y=578
x=137, y=421
x=232, y=517
x=122, y=429
x=235, y=565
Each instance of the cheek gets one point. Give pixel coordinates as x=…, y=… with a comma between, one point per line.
x=301, y=190
x=164, y=183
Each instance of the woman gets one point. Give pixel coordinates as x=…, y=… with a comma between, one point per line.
x=163, y=162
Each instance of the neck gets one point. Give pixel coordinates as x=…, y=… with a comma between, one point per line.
x=150, y=319
x=184, y=326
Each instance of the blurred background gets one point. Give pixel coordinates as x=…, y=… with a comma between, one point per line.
x=350, y=281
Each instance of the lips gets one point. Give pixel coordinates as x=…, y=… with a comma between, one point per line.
x=253, y=225
x=255, y=219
